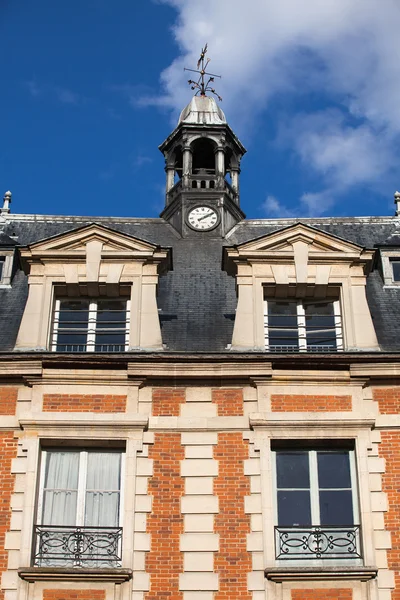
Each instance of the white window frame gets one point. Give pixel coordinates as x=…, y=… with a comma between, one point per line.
x=301, y=321
x=314, y=484
x=6, y=258
x=82, y=477
x=92, y=322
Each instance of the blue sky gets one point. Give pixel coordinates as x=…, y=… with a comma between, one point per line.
x=90, y=88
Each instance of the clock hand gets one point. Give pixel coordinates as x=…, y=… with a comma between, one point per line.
x=205, y=216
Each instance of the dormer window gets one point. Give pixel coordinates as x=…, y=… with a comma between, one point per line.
x=395, y=270
x=91, y=325
x=6, y=264
x=84, y=285
x=302, y=326
x=301, y=290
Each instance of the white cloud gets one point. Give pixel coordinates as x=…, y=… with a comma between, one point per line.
x=346, y=49
x=275, y=208
x=309, y=205
x=63, y=95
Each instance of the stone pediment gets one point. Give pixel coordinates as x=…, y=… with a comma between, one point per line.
x=75, y=242
x=299, y=244
x=284, y=240
x=96, y=246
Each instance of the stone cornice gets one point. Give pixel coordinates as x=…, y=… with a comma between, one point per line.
x=281, y=574
x=32, y=574
x=341, y=420
x=101, y=422
x=356, y=368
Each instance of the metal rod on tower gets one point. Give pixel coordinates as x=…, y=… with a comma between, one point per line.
x=201, y=85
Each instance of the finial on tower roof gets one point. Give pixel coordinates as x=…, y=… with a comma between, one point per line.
x=6, y=203
x=201, y=85
x=397, y=203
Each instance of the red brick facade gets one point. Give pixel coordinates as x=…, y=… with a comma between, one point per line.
x=164, y=562
x=8, y=400
x=8, y=451
x=303, y=403
x=388, y=399
x=100, y=403
x=323, y=594
x=74, y=594
x=390, y=451
x=167, y=401
x=229, y=402
x=232, y=562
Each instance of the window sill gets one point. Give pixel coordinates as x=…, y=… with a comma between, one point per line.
x=32, y=574
x=281, y=574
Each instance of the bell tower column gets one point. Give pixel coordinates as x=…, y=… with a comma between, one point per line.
x=170, y=171
x=220, y=165
x=187, y=166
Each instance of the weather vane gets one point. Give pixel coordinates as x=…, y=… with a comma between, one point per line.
x=201, y=85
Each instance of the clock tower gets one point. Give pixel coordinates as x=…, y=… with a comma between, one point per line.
x=202, y=164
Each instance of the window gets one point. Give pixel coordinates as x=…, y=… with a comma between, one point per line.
x=91, y=325
x=316, y=504
x=6, y=265
x=396, y=270
x=302, y=325
x=79, y=509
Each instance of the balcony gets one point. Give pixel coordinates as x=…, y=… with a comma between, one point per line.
x=84, y=547
x=305, y=543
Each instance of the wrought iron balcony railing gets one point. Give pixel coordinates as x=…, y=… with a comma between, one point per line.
x=305, y=543
x=90, y=547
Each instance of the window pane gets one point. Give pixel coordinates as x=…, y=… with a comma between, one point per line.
x=282, y=324
x=72, y=320
x=111, y=313
x=320, y=324
x=103, y=489
x=74, y=314
x=334, y=470
x=2, y=262
x=294, y=508
x=111, y=325
x=396, y=270
x=292, y=470
x=336, y=507
x=60, y=488
x=104, y=471
x=114, y=340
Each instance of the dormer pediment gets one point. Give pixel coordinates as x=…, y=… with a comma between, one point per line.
x=93, y=240
x=298, y=243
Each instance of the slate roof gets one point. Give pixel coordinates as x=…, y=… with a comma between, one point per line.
x=197, y=299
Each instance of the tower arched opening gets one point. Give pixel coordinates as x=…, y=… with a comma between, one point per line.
x=203, y=157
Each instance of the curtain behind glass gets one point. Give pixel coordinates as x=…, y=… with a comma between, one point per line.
x=103, y=489
x=60, y=488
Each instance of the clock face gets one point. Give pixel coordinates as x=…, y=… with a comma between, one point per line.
x=202, y=218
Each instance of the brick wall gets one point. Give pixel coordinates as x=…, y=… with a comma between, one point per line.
x=388, y=399
x=164, y=562
x=100, y=403
x=323, y=594
x=8, y=400
x=167, y=401
x=8, y=451
x=390, y=451
x=229, y=402
x=74, y=594
x=232, y=562
x=301, y=403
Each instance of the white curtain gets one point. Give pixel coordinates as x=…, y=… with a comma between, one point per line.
x=103, y=489
x=60, y=488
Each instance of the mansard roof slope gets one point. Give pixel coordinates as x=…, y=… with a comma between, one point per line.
x=197, y=300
